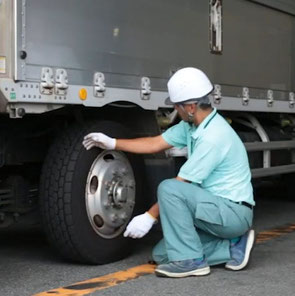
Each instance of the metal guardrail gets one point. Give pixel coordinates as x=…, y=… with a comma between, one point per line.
x=256, y=146
x=275, y=145
x=277, y=170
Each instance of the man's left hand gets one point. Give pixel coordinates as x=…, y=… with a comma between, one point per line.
x=140, y=225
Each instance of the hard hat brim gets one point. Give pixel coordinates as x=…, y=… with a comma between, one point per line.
x=204, y=100
x=169, y=102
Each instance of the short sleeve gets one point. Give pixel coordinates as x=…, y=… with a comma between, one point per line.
x=205, y=158
x=176, y=135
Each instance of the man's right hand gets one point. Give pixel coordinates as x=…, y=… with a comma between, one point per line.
x=99, y=140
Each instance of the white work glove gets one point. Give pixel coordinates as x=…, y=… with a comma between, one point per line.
x=140, y=225
x=99, y=140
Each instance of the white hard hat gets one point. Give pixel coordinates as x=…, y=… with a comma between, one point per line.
x=188, y=84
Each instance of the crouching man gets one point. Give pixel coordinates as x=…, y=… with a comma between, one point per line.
x=207, y=210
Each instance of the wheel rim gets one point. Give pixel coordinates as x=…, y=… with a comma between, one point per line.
x=110, y=193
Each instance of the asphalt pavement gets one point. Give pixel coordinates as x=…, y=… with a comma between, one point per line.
x=29, y=266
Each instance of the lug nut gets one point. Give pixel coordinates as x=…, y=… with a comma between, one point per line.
x=113, y=217
x=123, y=171
x=123, y=216
x=106, y=204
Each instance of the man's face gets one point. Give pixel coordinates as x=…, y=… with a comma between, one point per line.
x=181, y=111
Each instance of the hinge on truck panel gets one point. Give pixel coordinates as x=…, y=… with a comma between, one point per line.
x=215, y=23
x=61, y=82
x=291, y=99
x=270, y=99
x=217, y=94
x=145, y=88
x=47, y=81
x=245, y=99
x=99, y=84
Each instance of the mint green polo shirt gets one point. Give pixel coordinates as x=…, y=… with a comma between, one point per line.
x=217, y=158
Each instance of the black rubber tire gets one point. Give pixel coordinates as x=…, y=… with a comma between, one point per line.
x=287, y=186
x=255, y=158
x=62, y=197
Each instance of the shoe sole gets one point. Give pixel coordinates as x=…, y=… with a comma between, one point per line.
x=197, y=272
x=249, y=247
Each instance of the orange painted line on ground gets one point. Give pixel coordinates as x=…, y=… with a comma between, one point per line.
x=273, y=233
x=103, y=282
x=89, y=286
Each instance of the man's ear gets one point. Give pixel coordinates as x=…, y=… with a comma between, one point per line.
x=192, y=108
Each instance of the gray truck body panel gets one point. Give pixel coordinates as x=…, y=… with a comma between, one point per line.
x=128, y=40
x=134, y=38
x=287, y=6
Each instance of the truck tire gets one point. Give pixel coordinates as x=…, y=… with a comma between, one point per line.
x=88, y=197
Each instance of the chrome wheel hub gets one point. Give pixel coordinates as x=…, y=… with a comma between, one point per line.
x=110, y=193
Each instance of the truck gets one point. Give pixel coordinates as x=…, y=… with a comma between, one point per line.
x=70, y=67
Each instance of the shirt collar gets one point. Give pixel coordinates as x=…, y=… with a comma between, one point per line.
x=196, y=133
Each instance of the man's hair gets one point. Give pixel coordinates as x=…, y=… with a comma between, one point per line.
x=203, y=106
x=203, y=103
